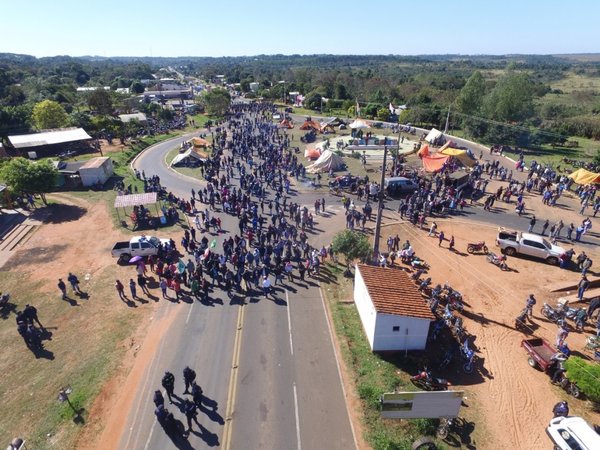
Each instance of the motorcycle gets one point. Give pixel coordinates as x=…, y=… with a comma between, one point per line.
x=424, y=284
x=446, y=424
x=554, y=315
x=478, y=247
x=446, y=359
x=427, y=382
x=458, y=330
x=438, y=326
x=416, y=275
x=454, y=299
x=592, y=343
x=468, y=356
x=417, y=263
x=520, y=321
x=569, y=386
x=496, y=260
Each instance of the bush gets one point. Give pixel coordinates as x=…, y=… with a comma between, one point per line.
x=585, y=375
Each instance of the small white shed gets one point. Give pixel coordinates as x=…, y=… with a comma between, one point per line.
x=96, y=171
x=394, y=314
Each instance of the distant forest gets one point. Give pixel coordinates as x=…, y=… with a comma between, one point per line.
x=527, y=100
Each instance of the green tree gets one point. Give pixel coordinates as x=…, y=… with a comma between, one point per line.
x=383, y=114
x=353, y=245
x=100, y=101
x=137, y=87
x=49, y=114
x=585, y=375
x=470, y=99
x=24, y=176
x=217, y=102
x=511, y=99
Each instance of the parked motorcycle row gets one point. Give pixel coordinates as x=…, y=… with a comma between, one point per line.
x=446, y=303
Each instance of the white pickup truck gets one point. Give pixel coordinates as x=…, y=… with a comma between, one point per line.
x=137, y=246
x=516, y=243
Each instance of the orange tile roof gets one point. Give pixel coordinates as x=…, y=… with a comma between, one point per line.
x=393, y=292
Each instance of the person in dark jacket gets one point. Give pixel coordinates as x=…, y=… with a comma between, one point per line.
x=168, y=382
x=189, y=376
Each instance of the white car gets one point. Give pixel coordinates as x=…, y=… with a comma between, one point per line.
x=572, y=433
x=516, y=243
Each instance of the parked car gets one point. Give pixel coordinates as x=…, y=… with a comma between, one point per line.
x=397, y=186
x=137, y=246
x=516, y=243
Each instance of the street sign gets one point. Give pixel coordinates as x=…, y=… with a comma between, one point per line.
x=421, y=405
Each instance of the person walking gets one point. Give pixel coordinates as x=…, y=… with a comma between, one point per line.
x=441, y=238
x=197, y=394
x=529, y=304
x=432, y=229
x=266, y=285
x=142, y=283
x=63, y=288
x=120, y=290
x=189, y=376
x=531, y=224
x=168, y=383
x=132, y=288
x=593, y=306
x=587, y=263
x=545, y=227
x=74, y=283
x=451, y=245
x=191, y=414
x=31, y=315
x=582, y=286
x=158, y=398
x=163, y=287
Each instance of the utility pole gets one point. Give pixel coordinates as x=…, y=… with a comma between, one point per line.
x=447, y=119
x=379, y=209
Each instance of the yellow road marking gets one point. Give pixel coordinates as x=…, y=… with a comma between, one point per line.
x=231, y=392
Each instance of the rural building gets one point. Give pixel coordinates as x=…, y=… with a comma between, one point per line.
x=393, y=313
x=254, y=86
x=96, y=171
x=50, y=141
x=139, y=116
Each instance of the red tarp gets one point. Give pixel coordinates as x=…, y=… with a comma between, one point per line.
x=434, y=163
x=312, y=153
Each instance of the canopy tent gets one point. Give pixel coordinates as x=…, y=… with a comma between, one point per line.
x=461, y=155
x=434, y=163
x=182, y=156
x=434, y=135
x=310, y=125
x=582, y=176
x=424, y=151
x=327, y=161
x=199, y=142
x=312, y=153
x=359, y=124
x=135, y=201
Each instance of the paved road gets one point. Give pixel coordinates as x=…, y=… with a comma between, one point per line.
x=285, y=391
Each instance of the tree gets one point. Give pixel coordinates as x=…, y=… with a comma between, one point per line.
x=100, y=101
x=471, y=96
x=49, y=114
x=137, y=87
x=383, y=114
x=217, y=102
x=585, y=375
x=353, y=245
x=511, y=99
x=24, y=176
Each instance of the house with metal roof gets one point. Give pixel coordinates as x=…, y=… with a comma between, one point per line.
x=394, y=314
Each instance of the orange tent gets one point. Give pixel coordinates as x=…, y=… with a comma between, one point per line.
x=286, y=123
x=199, y=142
x=310, y=125
x=434, y=163
x=312, y=153
x=424, y=151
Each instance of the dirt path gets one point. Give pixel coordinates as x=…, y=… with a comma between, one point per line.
x=505, y=387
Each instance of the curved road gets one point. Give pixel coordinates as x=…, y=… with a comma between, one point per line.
x=268, y=365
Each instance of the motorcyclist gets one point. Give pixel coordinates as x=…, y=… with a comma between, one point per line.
x=561, y=409
x=558, y=365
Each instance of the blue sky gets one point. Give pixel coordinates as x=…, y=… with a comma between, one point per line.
x=237, y=27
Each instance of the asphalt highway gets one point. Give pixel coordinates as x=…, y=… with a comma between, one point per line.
x=267, y=366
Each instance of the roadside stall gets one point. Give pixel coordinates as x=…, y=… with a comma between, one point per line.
x=140, y=216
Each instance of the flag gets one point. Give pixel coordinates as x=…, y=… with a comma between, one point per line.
x=357, y=109
x=392, y=110
x=324, y=100
x=213, y=244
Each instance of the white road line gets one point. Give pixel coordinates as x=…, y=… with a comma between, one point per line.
x=287, y=299
x=151, y=429
x=297, y=418
x=190, y=312
x=337, y=363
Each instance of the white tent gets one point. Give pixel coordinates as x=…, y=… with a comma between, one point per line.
x=182, y=156
x=328, y=160
x=433, y=135
x=358, y=124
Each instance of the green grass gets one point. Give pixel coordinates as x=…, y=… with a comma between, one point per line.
x=373, y=374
